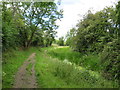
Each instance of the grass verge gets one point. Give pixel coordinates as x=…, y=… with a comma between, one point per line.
x=11, y=61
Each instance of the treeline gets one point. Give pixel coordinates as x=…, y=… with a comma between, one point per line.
x=27, y=24
x=60, y=41
x=99, y=33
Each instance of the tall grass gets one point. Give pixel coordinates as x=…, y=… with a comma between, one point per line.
x=53, y=73
x=89, y=61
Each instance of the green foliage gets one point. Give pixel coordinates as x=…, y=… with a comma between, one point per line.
x=92, y=32
x=9, y=31
x=34, y=23
x=42, y=15
x=38, y=39
x=99, y=33
x=67, y=43
x=26, y=23
x=61, y=41
x=110, y=59
x=118, y=18
x=69, y=37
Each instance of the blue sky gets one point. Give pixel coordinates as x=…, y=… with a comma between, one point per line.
x=74, y=11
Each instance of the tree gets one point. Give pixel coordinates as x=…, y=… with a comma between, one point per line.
x=118, y=18
x=42, y=15
x=110, y=56
x=9, y=28
x=61, y=41
x=99, y=33
x=70, y=34
x=94, y=31
x=23, y=22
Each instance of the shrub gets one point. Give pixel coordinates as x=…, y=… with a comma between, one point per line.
x=110, y=59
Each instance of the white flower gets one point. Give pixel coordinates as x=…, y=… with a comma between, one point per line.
x=3, y=73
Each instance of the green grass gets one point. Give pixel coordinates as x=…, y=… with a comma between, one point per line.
x=89, y=61
x=12, y=60
x=29, y=68
x=52, y=71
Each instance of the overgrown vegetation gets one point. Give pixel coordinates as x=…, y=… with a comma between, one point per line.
x=99, y=33
x=89, y=61
x=53, y=72
x=91, y=58
x=56, y=73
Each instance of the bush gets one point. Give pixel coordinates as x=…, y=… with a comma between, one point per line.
x=61, y=41
x=110, y=59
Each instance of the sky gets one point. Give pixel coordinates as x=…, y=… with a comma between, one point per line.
x=74, y=11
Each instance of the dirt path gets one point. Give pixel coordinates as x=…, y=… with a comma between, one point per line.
x=25, y=77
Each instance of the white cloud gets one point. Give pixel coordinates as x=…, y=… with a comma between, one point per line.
x=74, y=9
